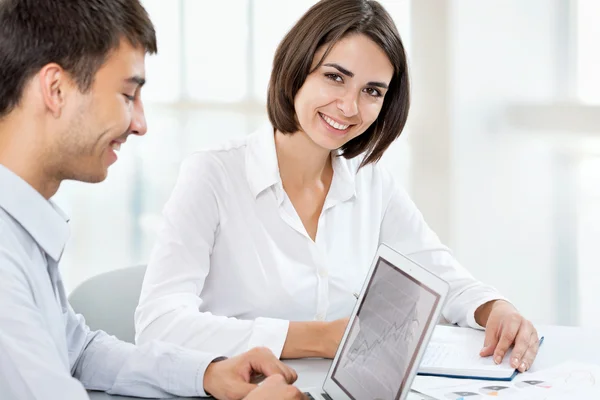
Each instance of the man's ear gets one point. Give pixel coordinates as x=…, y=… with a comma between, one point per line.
x=55, y=84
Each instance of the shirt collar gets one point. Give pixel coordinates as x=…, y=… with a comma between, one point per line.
x=261, y=160
x=263, y=169
x=41, y=218
x=343, y=185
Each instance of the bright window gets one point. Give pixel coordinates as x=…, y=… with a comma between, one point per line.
x=588, y=50
x=221, y=51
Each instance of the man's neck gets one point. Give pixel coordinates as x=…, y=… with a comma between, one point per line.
x=22, y=153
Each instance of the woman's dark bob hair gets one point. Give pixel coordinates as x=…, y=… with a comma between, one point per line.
x=326, y=23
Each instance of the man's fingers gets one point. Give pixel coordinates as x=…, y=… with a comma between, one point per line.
x=276, y=367
x=289, y=374
x=507, y=338
x=293, y=375
x=264, y=362
x=274, y=380
x=238, y=391
x=276, y=387
x=522, y=342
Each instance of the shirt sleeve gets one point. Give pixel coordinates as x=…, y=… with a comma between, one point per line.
x=154, y=370
x=179, y=265
x=404, y=228
x=31, y=366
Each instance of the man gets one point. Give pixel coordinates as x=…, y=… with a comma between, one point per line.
x=71, y=72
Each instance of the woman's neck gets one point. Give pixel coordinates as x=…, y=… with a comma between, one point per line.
x=301, y=161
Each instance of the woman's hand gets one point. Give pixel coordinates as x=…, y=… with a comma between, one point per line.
x=505, y=327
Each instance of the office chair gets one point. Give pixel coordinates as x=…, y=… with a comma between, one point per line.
x=108, y=301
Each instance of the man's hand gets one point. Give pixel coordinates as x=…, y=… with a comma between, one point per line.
x=506, y=327
x=276, y=388
x=231, y=379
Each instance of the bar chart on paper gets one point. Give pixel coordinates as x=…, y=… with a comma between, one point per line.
x=566, y=381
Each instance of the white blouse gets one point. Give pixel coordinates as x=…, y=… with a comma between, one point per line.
x=233, y=263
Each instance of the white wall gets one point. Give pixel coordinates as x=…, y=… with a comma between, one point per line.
x=505, y=51
x=505, y=198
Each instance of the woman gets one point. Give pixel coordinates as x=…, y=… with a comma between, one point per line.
x=265, y=240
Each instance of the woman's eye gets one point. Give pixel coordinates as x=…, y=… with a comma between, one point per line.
x=128, y=97
x=373, y=92
x=334, y=77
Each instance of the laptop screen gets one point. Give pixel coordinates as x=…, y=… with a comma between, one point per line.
x=385, y=336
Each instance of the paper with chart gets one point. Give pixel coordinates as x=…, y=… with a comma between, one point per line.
x=570, y=380
x=381, y=344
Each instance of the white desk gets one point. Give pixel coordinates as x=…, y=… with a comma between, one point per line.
x=560, y=344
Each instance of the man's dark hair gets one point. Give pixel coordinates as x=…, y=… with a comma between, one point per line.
x=325, y=24
x=78, y=35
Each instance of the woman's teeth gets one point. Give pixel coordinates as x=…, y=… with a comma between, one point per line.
x=334, y=124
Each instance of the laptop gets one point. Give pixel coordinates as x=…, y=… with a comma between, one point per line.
x=390, y=326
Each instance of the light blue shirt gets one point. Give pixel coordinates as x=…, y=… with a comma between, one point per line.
x=46, y=350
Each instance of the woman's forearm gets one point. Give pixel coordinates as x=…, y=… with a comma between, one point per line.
x=313, y=339
x=305, y=339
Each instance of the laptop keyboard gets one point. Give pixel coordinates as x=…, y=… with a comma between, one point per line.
x=324, y=395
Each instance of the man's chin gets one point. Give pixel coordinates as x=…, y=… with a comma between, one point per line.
x=95, y=177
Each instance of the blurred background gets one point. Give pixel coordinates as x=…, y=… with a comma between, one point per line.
x=501, y=152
